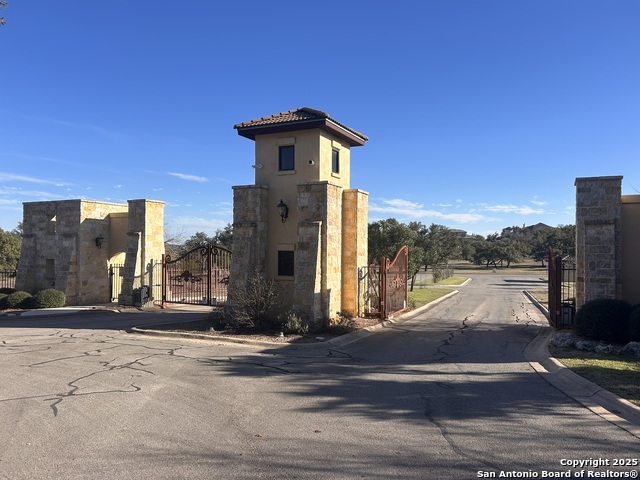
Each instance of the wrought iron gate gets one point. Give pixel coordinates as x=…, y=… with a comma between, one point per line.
x=384, y=287
x=200, y=276
x=369, y=286
x=8, y=279
x=562, y=296
x=393, y=282
x=116, y=271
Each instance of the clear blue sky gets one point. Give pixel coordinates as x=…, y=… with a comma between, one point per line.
x=480, y=113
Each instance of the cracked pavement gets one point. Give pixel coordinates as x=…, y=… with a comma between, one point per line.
x=442, y=394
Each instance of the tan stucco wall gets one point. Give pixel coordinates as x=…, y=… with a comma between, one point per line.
x=631, y=248
x=118, y=226
x=355, y=232
x=318, y=222
x=310, y=145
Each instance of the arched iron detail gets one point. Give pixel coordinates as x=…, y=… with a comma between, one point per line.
x=200, y=276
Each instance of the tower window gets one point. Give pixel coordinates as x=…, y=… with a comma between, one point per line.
x=285, y=263
x=335, y=161
x=286, y=159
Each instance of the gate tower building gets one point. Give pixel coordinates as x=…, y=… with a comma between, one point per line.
x=301, y=224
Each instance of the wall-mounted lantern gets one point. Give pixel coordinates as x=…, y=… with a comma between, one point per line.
x=283, y=210
x=99, y=241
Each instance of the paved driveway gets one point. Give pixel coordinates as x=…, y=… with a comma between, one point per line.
x=447, y=393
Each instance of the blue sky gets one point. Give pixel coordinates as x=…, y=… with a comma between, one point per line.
x=480, y=113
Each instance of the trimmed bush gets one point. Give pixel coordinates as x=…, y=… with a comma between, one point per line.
x=7, y=290
x=604, y=319
x=18, y=300
x=3, y=301
x=634, y=323
x=49, y=298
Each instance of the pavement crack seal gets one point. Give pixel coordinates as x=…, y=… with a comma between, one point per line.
x=452, y=335
x=449, y=438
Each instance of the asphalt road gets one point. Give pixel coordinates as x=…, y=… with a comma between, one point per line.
x=444, y=394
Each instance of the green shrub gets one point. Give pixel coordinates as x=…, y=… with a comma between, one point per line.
x=7, y=290
x=634, y=323
x=49, y=298
x=18, y=299
x=3, y=301
x=292, y=324
x=604, y=319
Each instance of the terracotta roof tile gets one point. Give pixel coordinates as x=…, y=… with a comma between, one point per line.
x=292, y=117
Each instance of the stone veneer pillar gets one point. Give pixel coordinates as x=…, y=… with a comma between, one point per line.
x=598, y=238
x=250, y=229
x=355, y=233
x=145, y=245
x=319, y=212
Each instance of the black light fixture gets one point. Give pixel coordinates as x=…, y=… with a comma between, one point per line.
x=283, y=210
x=99, y=241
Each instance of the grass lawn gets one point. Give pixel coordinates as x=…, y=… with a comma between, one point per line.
x=528, y=267
x=444, y=281
x=541, y=295
x=616, y=373
x=422, y=296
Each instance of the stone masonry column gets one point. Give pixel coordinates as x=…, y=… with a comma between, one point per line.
x=319, y=202
x=598, y=238
x=250, y=228
x=308, y=297
x=145, y=244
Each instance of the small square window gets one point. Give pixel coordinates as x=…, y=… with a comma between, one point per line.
x=335, y=161
x=286, y=158
x=285, y=263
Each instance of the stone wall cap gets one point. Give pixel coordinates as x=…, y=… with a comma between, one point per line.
x=358, y=190
x=240, y=187
x=143, y=200
x=588, y=179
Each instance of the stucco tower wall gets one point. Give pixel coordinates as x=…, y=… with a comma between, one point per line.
x=250, y=234
x=355, y=208
x=598, y=238
x=92, y=280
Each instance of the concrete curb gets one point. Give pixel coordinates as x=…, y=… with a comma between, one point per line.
x=340, y=341
x=350, y=338
x=211, y=338
x=50, y=312
x=600, y=401
x=538, y=305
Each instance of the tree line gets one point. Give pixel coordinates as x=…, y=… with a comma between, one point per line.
x=10, y=244
x=429, y=247
x=437, y=245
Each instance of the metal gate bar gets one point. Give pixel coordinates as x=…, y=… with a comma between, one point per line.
x=199, y=277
